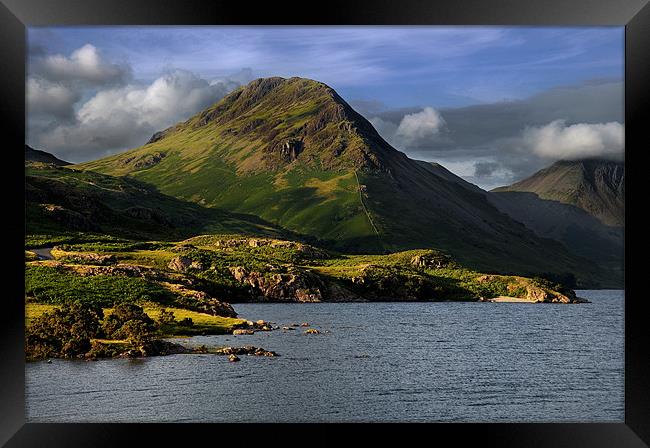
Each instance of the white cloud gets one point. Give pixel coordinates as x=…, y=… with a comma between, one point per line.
x=418, y=128
x=556, y=140
x=84, y=64
x=415, y=130
x=124, y=117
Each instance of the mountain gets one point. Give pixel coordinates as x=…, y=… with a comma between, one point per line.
x=62, y=201
x=294, y=153
x=579, y=203
x=595, y=186
x=36, y=155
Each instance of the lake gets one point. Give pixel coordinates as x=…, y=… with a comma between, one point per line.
x=424, y=362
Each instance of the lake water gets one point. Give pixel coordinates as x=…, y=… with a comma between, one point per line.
x=468, y=362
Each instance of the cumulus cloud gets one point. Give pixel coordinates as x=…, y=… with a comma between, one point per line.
x=420, y=127
x=124, y=117
x=557, y=140
x=414, y=130
x=84, y=65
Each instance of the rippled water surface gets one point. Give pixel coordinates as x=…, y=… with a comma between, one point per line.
x=374, y=362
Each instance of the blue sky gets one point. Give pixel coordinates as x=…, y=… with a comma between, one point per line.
x=440, y=66
x=377, y=69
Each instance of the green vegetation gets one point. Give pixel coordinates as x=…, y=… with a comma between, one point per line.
x=55, y=285
x=202, y=323
x=77, y=330
x=65, y=332
x=66, y=205
x=120, y=301
x=187, y=274
x=295, y=154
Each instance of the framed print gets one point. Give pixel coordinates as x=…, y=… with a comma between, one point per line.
x=373, y=214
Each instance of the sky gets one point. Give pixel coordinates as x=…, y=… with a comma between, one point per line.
x=492, y=104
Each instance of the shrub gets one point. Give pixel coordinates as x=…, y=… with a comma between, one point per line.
x=135, y=331
x=64, y=332
x=122, y=314
x=166, y=317
x=187, y=322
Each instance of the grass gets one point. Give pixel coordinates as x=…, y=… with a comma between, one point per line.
x=231, y=175
x=67, y=205
x=203, y=323
x=49, y=284
x=34, y=310
x=229, y=163
x=214, y=256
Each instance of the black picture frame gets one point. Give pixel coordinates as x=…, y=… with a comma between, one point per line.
x=16, y=15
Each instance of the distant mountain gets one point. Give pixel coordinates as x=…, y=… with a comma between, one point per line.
x=294, y=153
x=580, y=204
x=595, y=186
x=36, y=155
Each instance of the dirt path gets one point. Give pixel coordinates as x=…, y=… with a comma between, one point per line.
x=365, y=209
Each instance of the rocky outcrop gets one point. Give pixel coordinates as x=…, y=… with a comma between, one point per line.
x=525, y=289
x=338, y=293
x=90, y=258
x=200, y=301
x=158, y=136
x=144, y=161
x=302, y=249
x=183, y=263
x=125, y=270
x=432, y=260
x=539, y=295
x=290, y=149
x=296, y=285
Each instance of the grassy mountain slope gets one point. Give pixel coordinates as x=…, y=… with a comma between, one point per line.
x=36, y=155
x=61, y=200
x=296, y=154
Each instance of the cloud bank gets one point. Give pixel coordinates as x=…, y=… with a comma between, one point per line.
x=499, y=143
x=126, y=116
x=556, y=140
x=82, y=107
